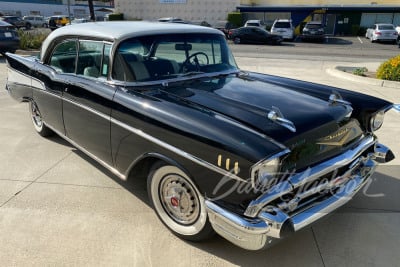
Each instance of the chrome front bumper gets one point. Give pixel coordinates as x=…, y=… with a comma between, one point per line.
x=264, y=222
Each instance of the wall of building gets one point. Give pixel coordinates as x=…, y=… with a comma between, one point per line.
x=191, y=10
x=318, y=2
x=44, y=8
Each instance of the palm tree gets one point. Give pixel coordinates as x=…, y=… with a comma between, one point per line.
x=91, y=10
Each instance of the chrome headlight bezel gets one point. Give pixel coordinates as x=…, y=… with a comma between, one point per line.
x=376, y=121
x=265, y=171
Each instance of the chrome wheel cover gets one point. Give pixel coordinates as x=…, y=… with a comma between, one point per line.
x=177, y=201
x=36, y=117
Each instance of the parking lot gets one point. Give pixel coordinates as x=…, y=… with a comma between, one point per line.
x=58, y=207
x=334, y=48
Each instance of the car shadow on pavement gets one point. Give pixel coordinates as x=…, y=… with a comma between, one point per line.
x=337, y=41
x=329, y=40
x=136, y=185
x=380, y=195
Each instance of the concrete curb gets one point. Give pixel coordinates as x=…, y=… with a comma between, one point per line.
x=338, y=72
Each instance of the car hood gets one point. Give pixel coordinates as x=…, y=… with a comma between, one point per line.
x=248, y=101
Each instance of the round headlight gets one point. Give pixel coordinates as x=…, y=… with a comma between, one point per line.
x=265, y=174
x=377, y=121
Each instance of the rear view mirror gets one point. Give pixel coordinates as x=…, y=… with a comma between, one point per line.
x=183, y=47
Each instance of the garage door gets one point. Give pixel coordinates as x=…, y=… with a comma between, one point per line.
x=396, y=19
x=369, y=19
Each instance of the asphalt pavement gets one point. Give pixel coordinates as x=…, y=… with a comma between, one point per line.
x=58, y=207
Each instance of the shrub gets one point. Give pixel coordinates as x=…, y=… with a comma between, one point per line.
x=116, y=16
x=31, y=39
x=235, y=18
x=389, y=70
x=360, y=71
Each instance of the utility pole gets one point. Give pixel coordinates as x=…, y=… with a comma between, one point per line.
x=91, y=10
x=69, y=11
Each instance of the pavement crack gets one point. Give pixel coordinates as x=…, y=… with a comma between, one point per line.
x=317, y=245
x=34, y=180
x=81, y=185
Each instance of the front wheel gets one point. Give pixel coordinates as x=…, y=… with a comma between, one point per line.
x=178, y=203
x=37, y=120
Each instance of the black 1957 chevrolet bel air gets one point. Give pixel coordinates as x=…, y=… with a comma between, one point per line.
x=250, y=156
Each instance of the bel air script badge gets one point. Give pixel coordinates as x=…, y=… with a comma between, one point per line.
x=339, y=138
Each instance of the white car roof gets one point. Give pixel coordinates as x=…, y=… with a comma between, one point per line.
x=118, y=30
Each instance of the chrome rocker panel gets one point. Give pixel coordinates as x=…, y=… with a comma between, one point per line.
x=272, y=223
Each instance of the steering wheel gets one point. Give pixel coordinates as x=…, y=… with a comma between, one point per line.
x=189, y=65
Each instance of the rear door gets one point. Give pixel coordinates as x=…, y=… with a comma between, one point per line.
x=87, y=100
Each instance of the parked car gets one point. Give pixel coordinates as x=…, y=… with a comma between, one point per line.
x=283, y=27
x=224, y=26
x=171, y=20
x=251, y=156
x=255, y=23
x=58, y=21
x=314, y=31
x=398, y=35
x=80, y=20
x=17, y=22
x=254, y=35
x=382, y=32
x=200, y=23
x=9, y=40
x=36, y=21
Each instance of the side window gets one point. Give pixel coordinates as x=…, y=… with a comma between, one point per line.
x=90, y=58
x=106, y=60
x=63, y=59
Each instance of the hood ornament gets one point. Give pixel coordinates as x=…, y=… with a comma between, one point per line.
x=335, y=98
x=276, y=116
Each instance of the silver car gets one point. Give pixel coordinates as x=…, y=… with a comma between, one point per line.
x=382, y=32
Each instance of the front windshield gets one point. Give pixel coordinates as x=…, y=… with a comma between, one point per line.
x=163, y=57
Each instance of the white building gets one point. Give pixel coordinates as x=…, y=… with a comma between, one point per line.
x=49, y=8
x=210, y=11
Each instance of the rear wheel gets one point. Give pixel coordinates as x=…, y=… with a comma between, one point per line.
x=236, y=40
x=37, y=121
x=178, y=203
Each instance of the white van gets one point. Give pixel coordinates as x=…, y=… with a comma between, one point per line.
x=36, y=21
x=284, y=28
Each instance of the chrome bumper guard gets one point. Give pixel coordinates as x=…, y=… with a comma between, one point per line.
x=270, y=223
